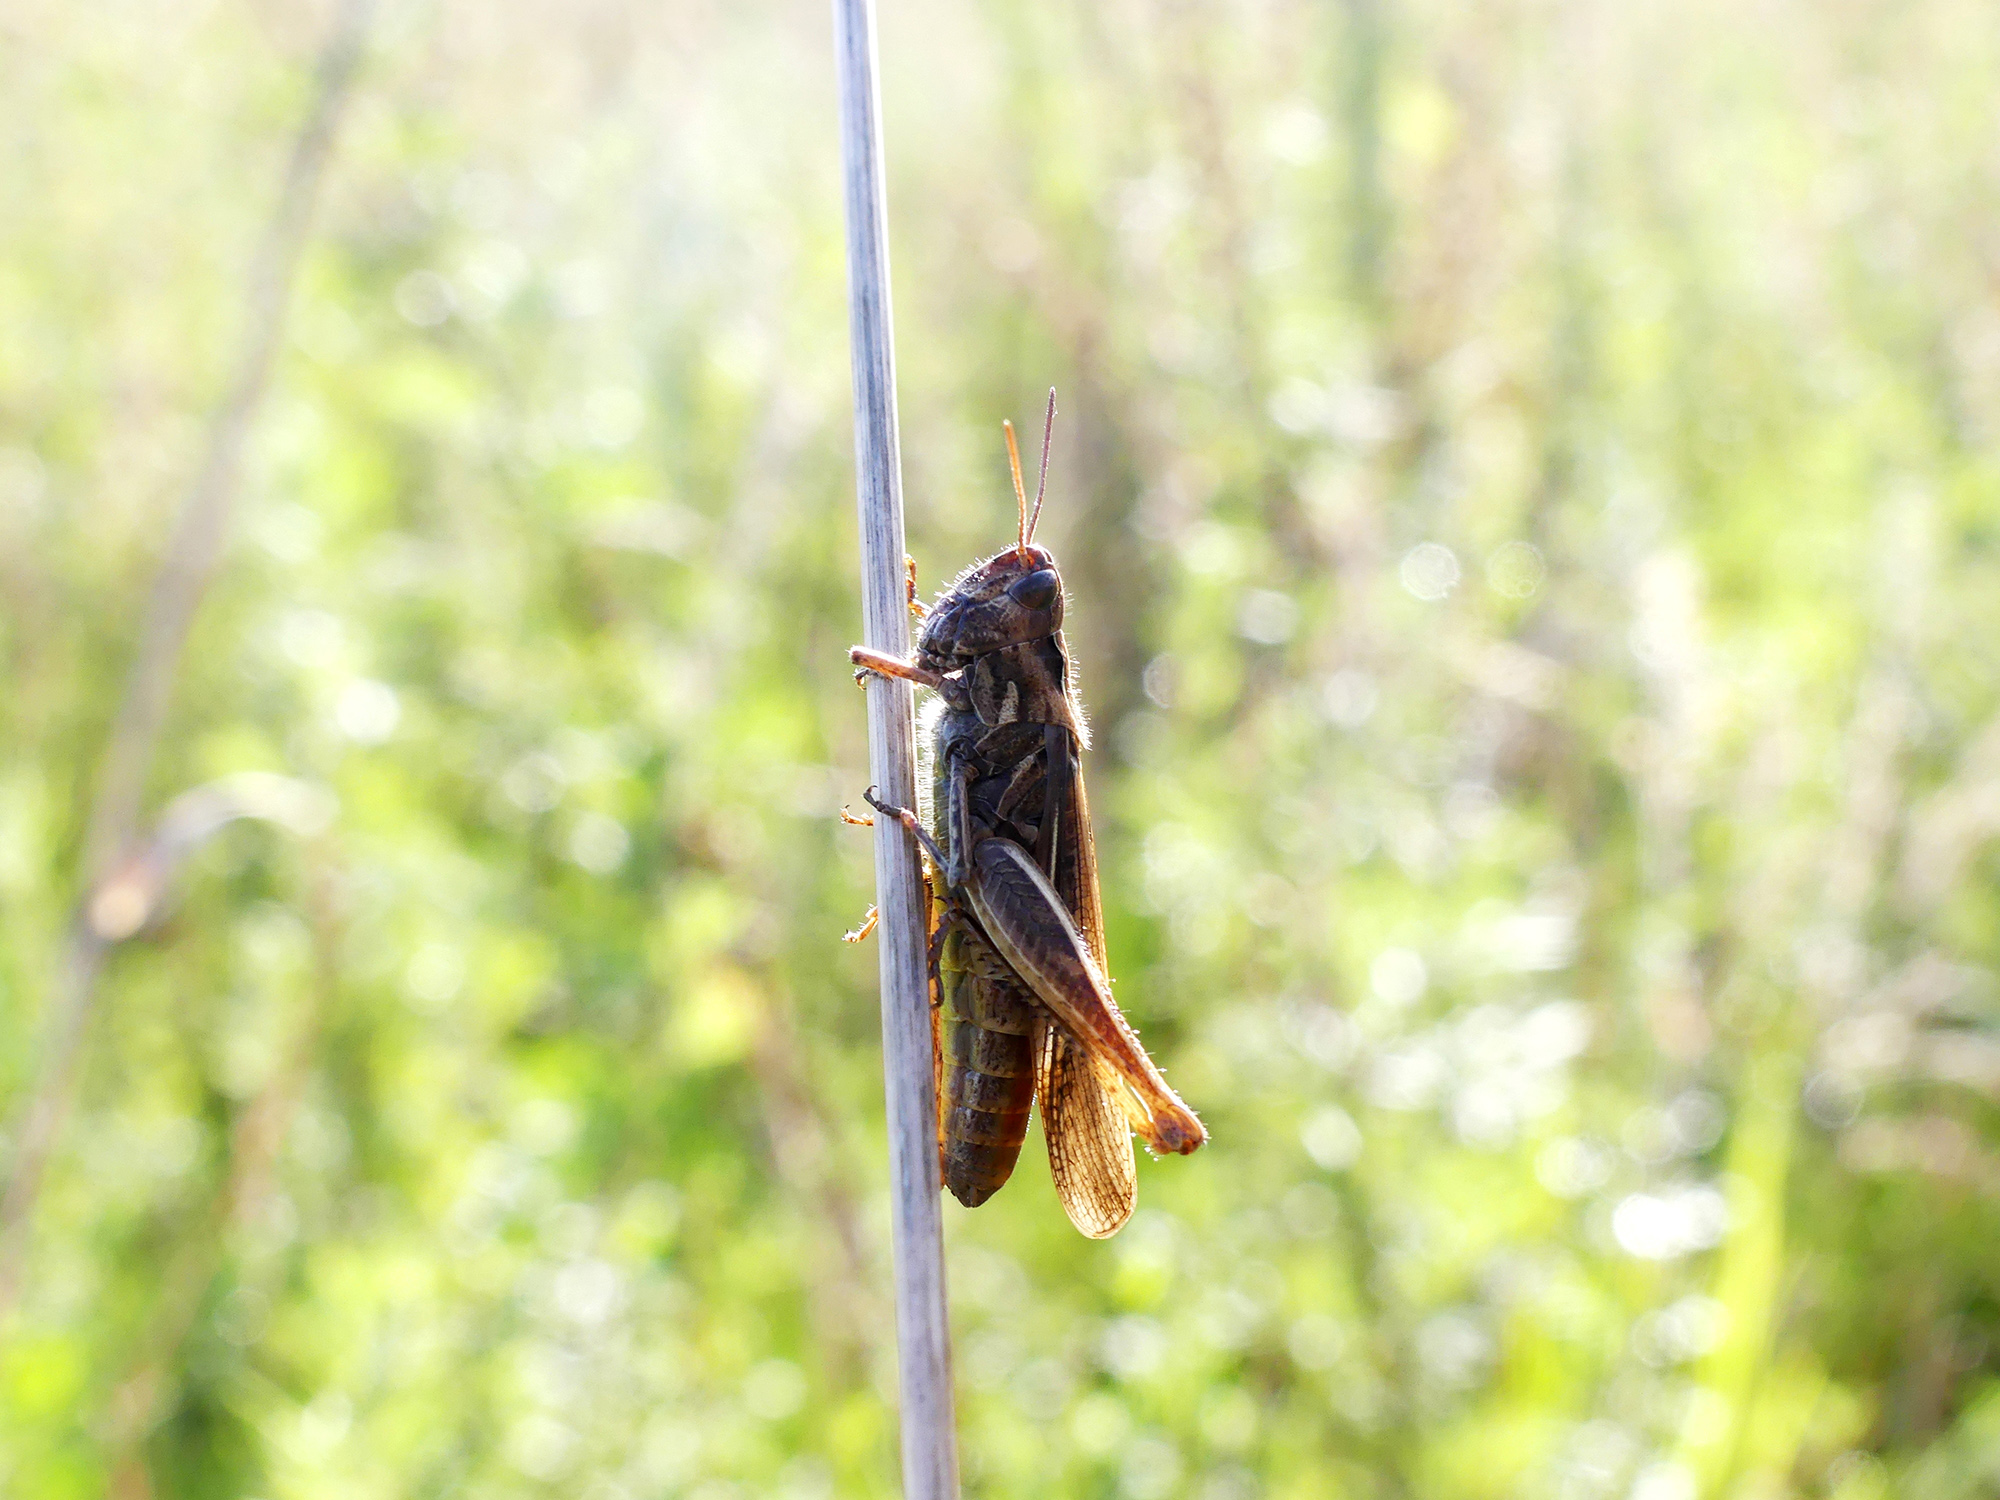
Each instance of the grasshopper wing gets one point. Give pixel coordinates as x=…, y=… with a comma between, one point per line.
x=1088, y=1135
x=1027, y=921
x=1075, y=878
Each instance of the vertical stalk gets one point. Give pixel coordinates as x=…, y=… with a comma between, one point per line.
x=923, y=1334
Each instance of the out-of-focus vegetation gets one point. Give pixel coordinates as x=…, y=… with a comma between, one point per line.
x=1527, y=480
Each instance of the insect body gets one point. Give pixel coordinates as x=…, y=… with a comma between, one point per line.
x=1017, y=932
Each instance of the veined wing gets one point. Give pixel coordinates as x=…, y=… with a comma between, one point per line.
x=1084, y=1124
x=1089, y=1138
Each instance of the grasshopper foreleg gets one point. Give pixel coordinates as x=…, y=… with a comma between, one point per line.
x=881, y=664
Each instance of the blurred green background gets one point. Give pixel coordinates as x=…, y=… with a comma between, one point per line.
x=1527, y=485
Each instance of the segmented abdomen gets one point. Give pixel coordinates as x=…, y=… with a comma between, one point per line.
x=989, y=1083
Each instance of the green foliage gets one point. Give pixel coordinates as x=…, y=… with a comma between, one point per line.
x=1526, y=481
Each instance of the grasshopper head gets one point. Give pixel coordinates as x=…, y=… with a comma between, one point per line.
x=1013, y=596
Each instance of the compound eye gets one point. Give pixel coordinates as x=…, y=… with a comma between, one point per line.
x=1038, y=591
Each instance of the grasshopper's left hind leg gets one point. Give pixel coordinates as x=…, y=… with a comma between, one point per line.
x=1023, y=917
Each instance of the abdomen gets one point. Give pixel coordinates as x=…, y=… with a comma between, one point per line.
x=989, y=1083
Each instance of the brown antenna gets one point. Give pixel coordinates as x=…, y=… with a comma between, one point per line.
x=1020, y=493
x=1048, y=432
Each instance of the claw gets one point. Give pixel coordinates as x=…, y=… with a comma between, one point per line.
x=888, y=810
x=867, y=926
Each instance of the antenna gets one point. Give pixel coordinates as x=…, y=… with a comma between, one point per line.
x=1048, y=433
x=1020, y=492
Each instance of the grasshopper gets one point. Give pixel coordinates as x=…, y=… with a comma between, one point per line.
x=1017, y=962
